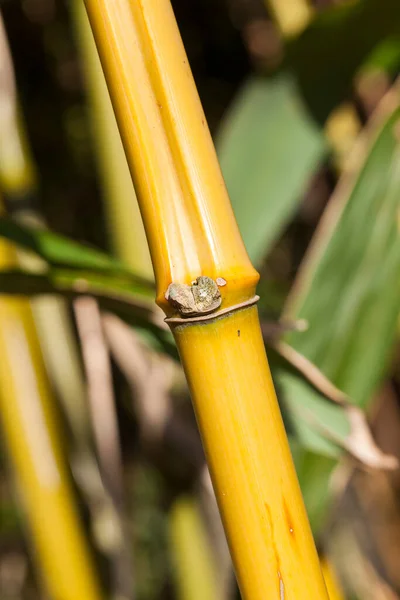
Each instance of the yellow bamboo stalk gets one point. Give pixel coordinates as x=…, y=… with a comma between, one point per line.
x=32, y=438
x=195, y=575
x=192, y=233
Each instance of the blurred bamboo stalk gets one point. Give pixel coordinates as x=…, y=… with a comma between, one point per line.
x=194, y=574
x=18, y=183
x=291, y=16
x=57, y=340
x=123, y=215
x=193, y=236
x=33, y=441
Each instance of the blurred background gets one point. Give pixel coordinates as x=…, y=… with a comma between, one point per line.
x=303, y=103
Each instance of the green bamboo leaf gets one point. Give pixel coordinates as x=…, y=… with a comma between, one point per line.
x=322, y=417
x=75, y=283
x=315, y=422
x=313, y=471
x=385, y=57
x=348, y=290
x=59, y=250
x=269, y=148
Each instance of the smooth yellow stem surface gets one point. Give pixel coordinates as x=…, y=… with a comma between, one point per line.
x=32, y=439
x=249, y=458
x=191, y=231
x=181, y=192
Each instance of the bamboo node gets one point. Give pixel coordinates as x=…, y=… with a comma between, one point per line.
x=215, y=315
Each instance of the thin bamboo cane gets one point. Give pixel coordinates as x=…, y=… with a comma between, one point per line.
x=123, y=216
x=51, y=315
x=18, y=182
x=194, y=573
x=192, y=232
x=32, y=439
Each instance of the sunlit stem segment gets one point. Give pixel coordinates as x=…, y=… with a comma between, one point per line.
x=184, y=204
x=32, y=438
x=249, y=459
x=194, y=570
x=191, y=232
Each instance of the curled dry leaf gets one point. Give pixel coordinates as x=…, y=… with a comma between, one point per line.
x=359, y=443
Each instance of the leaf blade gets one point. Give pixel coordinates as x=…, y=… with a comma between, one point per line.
x=257, y=172
x=352, y=272
x=56, y=249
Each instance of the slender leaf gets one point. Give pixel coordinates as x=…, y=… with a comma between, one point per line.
x=321, y=415
x=268, y=148
x=74, y=283
x=114, y=295
x=313, y=471
x=314, y=421
x=385, y=57
x=59, y=250
x=348, y=289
